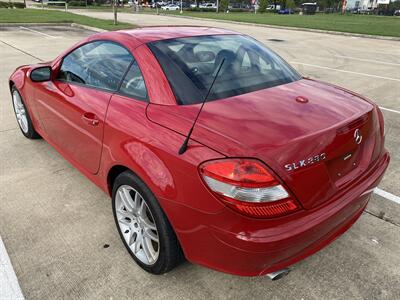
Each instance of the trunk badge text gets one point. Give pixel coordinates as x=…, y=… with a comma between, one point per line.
x=305, y=162
x=357, y=136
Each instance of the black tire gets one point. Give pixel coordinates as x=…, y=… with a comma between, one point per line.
x=31, y=132
x=170, y=253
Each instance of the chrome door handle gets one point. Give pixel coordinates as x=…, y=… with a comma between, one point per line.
x=90, y=118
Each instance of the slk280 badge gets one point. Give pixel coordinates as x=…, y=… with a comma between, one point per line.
x=305, y=162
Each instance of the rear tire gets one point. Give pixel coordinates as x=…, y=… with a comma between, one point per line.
x=22, y=114
x=146, y=233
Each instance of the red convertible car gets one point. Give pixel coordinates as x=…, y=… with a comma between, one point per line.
x=275, y=167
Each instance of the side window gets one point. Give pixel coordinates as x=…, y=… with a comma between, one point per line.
x=246, y=64
x=265, y=66
x=98, y=64
x=133, y=84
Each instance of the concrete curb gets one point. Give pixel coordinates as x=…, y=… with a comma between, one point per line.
x=33, y=24
x=87, y=27
x=377, y=37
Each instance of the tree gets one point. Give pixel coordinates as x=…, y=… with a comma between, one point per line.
x=263, y=6
x=223, y=5
x=394, y=5
x=290, y=4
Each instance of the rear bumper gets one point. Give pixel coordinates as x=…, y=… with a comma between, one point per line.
x=235, y=244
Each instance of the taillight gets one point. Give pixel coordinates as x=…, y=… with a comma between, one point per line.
x=248, y=187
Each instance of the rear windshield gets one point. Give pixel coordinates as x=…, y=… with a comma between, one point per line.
x=190, y=65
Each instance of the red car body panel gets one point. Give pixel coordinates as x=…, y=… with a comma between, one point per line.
x=66, y=111
x=279, y=131
x=269, y=125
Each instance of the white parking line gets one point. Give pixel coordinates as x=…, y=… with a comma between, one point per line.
x=388, y=109
x=9, y=287
x=387, y=195
x=38, y=32
x=345, y=71
x=368, y=60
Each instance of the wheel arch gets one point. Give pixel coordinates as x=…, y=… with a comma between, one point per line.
x=118, y=169
x=11, y=83
x=17, y=78
x=113, y=174
x=161, y=185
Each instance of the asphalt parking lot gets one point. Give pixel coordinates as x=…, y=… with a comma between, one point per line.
x=58, y=228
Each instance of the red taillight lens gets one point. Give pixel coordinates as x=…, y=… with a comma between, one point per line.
x=247, y=186
x=239, y=172
x=277, y=208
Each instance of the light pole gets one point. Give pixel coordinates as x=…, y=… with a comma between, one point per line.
x=181, y=7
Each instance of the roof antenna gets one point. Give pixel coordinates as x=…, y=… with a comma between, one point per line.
x=183, y=148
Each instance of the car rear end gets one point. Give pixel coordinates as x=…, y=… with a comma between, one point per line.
x=276, y=220
x=251, y=237
x=301, y=157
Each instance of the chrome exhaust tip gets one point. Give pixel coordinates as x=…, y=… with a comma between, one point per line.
x=278, y=274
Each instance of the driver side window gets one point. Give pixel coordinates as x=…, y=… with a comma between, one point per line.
x=99, y=64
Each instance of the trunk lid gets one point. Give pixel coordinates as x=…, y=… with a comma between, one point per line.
x=310, y=143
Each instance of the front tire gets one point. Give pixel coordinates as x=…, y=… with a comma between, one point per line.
x=143, y=226
x=23, y=118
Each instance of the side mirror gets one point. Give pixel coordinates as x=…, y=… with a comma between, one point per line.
x=41, y=74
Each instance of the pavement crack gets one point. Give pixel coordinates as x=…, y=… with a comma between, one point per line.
x=20, y=50
x=10, y=129
x=59, y=170
x=382, y=217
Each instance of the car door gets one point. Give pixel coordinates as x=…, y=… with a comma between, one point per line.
x=73, y=107
x=127, y=127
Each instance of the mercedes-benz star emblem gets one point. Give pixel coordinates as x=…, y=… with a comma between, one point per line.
x=357, y=136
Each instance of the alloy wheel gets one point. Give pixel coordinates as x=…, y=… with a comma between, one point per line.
x=137, y=224
x=20, y=112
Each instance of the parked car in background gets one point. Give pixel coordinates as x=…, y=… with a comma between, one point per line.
x=362, y=11
x=397, y=13
x=273, y=7
x=240, y=7
x=158, y=4
x=207, y=5
x=286, y=11
x=309, y=8
x=171, y=7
